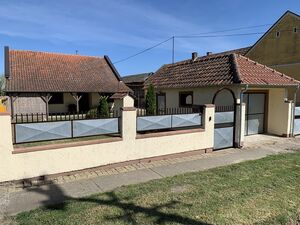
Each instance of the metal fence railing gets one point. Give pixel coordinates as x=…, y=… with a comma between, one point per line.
x=53, y=117
x=40, y=127
x=169, y=118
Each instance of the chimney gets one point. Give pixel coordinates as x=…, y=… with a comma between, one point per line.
x=194, y=55
x=208, y=53
x=6, y=61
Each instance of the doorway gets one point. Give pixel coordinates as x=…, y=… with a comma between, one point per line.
x=255, y=112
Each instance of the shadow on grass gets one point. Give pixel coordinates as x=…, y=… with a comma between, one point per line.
x=56, y=201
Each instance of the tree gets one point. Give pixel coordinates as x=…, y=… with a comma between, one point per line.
x=150, y=100
x=103, y=109
x=2, y=81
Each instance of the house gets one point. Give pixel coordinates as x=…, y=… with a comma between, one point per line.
x=229, y=79
x=279, y=47
x=136, y=82
x=43, y=82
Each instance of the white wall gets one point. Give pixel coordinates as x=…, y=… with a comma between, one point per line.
x=201, y=96
x=59, y=160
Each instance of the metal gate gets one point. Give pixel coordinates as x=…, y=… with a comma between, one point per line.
x=224, y=127
x=297, y=121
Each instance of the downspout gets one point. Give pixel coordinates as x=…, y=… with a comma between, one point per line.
x=241, y=111
x=294, y=112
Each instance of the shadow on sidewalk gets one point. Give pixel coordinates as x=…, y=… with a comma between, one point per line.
x=56, y=201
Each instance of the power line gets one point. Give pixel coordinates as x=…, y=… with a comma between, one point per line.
x=233, y=29
x=222, y=35
x=145, y=50
x=200, y=35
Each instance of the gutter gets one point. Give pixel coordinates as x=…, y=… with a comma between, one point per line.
x=294, y=112
x=241, y=111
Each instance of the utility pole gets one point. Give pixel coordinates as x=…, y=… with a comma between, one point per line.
x=173, y=49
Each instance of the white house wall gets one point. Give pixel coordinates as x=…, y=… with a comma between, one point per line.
x=201, y=96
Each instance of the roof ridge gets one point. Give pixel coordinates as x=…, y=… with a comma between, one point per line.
x=55, y=53
x=236, y=68
x=200, y=59
x=266, y=67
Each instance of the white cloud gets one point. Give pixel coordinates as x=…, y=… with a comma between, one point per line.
x=127, y=23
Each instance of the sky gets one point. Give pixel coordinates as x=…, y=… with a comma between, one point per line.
x=120, y=28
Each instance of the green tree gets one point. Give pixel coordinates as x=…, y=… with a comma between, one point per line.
x=103, y=109
x=2, y=80
x=150, y=100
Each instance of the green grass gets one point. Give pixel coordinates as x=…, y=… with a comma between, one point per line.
x=265, y=191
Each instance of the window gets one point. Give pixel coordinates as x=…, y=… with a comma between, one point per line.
x=185, y=98
x=295, y=30
x=278, y=34
x=57, y=98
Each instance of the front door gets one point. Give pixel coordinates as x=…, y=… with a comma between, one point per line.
x=161, y=102
x=255, y=113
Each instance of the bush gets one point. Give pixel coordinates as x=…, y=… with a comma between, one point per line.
x=103, y=109
x=150, y=100
x=2, y=84
x=92, y=113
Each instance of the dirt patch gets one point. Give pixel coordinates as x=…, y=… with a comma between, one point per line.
x=181, y=188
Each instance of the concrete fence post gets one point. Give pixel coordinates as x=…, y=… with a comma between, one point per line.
x=6, y=145
x=128, y=118
x=128, y=123
x=208, y=122
x=240, y=125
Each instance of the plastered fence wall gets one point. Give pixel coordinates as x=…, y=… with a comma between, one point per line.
x=15, y=166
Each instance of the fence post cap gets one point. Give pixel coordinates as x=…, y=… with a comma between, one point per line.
x=128, y=108
x=209, y=106
x=4, y=113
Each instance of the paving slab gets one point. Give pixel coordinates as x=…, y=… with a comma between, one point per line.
x=108, y=183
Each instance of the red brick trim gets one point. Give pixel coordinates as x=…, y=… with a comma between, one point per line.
x=64, y=145
x=168, y=133
x=4, y=114
x=128, y=108
x=209, y=150
x=209, y=105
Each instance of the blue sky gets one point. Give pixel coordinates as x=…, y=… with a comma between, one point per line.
x=120, y=28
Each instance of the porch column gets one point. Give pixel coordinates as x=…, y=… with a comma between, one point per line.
x=77, y=99
x=46, y=98
x=12, y=100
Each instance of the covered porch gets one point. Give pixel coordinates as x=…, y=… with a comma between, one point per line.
x=53, y=103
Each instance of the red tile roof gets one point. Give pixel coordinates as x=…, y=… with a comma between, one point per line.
x=217, y=70
x=51, y=72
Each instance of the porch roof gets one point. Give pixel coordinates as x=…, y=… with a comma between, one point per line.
x=218, y=70
x=30, y=71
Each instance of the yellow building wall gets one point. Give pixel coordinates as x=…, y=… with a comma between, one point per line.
x=281, y=53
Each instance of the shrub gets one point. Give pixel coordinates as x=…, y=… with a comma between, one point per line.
x=103, y=109
x=2, y=84
x=150, y=100
x=92, y=113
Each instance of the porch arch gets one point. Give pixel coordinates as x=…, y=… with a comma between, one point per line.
x=224, y=89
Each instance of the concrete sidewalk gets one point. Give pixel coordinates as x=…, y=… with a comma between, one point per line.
x=15, y=201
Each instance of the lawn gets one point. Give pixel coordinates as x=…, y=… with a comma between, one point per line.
x=265, y=191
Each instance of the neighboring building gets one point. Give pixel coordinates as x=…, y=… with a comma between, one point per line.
x=42, y=82
x=223, y=79
x=136, y=83
x=279, y=47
